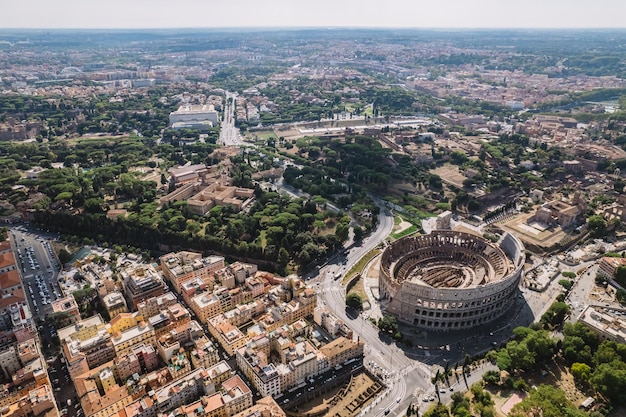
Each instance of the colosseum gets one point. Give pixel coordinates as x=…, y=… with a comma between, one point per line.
x=450, y=280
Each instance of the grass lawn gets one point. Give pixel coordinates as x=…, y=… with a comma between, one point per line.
x=265, y=135
x=358, y=267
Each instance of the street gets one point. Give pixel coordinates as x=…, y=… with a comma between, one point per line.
x=39, y=269
x=229, y=134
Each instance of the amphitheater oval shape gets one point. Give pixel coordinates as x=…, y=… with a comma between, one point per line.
x=449, y=280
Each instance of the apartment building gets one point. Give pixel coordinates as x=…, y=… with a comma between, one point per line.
x=220, y=372
x=9, y=361
x=236, y=394
x=331, y=323
x=183, y=391
x=123, y=321
x=183, y=266
x=38, y=401
x=608, y=266
x=206, y=306
x=114, y=303
x=154, y=305
x=207, y=406
x=191, y=288
x=141, y=283
x=68, y=306
x=143, y=407
x=171, y=342
x=227, y=335
x=141, y=360
x=253, y=360
x=266, y=406
x=241, y=271
x=256, y=286
x=341, y=349
x=124, y=341
x=204, y=353
x=168, y=319
x=608, y=323
x=11, y=288
x=240, y=315
x=86, y=345
x=302, y=359
x=96, y=405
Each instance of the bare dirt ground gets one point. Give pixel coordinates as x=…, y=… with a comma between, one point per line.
x=450, y=174
x=399, y=228
x=555, y=375
x=344, y=401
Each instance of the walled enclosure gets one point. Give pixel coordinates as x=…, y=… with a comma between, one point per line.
x=450, y=280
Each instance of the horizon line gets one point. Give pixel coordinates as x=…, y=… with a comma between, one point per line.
x=321, y=27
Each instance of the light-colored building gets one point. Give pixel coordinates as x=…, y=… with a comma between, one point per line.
x=38, y=402
x=124, y=341
x=219, y=372
x=9, y=361
x=608, y=266
x=608, y=322
x=266, y=406
x=206, y=306
x=227, y=335
x=171, y=342
x=341, y=349
x=183, y=266
x=331, y=323
x=155, y=305
x=236, y=394
x=142, y=359
x=114, y=303
x=93, y=403
x=204, y=353
x=67, y=305
x=141, y=283
x=86, y=345
x=183, y=391
x=191, y=288
x=200, y=117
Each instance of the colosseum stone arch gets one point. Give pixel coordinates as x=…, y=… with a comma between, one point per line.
x=450, y=280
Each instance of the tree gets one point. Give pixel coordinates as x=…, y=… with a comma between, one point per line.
x=354, y=301
x=460, y=405
x=555, y=315
x=541, y=345
x=283, y=257
x=566, y=283
x=342, y=231
x=503, y=359
x=597, y=225
x=491, y=377
x=610, y=380
x=64, y=256
x=521, y=357
x=620, y=275
x=581, y=372
x=358, y=233
x=388, y=323
x=439, y=410
x=550, y=400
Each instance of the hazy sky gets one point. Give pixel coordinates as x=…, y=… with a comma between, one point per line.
x=286, y=13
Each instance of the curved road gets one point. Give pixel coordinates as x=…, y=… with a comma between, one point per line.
x=405, y=375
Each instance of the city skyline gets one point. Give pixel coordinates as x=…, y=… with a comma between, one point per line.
x=144, y=14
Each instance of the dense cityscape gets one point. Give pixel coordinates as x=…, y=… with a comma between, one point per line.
x=312, y=222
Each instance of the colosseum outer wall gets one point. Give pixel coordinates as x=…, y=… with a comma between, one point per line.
x=443, y=309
